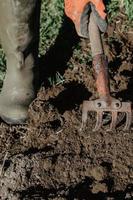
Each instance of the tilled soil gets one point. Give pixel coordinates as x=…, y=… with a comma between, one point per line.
x=51, y=158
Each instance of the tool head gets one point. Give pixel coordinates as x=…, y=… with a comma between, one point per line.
x=100, y=106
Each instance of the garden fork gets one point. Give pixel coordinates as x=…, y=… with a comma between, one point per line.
x=105, y=103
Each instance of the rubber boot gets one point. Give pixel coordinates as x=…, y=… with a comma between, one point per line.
x=19, y=25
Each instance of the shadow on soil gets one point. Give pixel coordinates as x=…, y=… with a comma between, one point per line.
x=59, y=54
x=80, y=191
x=71, y=97
x=128, y=93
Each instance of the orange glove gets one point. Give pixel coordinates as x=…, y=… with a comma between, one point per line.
x=78, y=12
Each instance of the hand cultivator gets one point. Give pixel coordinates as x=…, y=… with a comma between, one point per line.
x=89, y=19
x=105, y=103
x=92, y=13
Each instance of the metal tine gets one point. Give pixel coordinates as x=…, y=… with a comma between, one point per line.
x=84, y=119
x=99, y=121
x=114, y=121
x=128, y=121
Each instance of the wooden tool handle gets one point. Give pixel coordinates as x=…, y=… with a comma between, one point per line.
x=99, y=60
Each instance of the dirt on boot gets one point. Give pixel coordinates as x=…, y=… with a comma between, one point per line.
x=19, y=38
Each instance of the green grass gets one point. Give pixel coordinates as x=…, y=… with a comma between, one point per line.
x=51, y=21
x=114, y=7
x=128, y=6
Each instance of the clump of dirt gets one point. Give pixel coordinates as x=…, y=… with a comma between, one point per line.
x=50, y=158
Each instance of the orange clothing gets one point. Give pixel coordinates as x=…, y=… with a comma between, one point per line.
x=74, y=9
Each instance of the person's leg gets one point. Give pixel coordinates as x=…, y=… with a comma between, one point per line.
x=19, y=39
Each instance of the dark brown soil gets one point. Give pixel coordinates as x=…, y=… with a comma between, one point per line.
x=50, y=158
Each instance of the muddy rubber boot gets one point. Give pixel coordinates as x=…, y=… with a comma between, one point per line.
x=19, y=25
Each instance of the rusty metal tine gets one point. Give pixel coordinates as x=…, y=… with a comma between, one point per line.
x=99, y=121
x=114, y=120
x=84, y=118
x=128, y=121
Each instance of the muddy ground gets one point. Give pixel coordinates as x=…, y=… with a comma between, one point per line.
x=49, y=157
